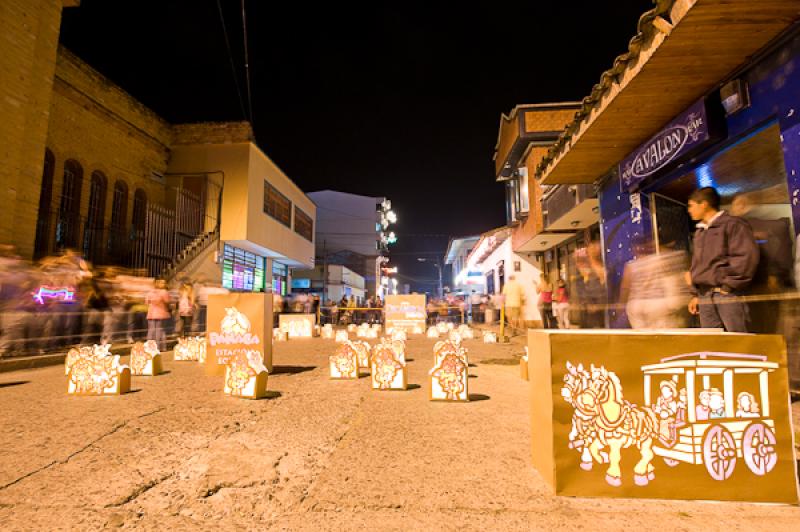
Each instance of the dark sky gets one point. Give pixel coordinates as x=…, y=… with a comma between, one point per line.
x=391, y=100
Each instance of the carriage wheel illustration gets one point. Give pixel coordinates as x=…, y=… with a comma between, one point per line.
x=758, y=448
x=719, y=452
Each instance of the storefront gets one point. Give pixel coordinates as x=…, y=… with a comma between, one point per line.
x=743, y=140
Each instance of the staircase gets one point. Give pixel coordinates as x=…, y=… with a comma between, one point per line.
x=183, y=261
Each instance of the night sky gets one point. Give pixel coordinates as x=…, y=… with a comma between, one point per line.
x=395, y=100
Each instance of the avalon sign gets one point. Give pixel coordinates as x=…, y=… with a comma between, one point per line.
x=688, y=131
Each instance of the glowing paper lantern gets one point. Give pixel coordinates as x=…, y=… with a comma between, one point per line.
x=279, y=335
x=433, y=332
x=328, y=333
x=449, y=377
x=377, y=326
x=388, y=371
x=417, y=330
x=246, y=375
x=145, y=359
x=352, y=327
x=344, y=362
x=399, y=347
x=372, y=333
x=361, y=332
x=363, y=349
x=454, y=337
x=341, y=336
x=93, y=371
x=442, y=327
x=489, y=337
x=190, y=348
x=465, y=332
x=450, y=326
x=399, y=334
x=297, y=325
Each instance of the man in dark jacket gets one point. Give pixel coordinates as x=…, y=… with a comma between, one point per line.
x=723, y=264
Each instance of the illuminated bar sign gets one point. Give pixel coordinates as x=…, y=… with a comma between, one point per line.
x=687, y=131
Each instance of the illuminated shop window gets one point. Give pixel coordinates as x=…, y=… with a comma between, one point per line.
x=242, y=270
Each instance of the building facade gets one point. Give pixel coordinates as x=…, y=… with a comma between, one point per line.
x=727, y=118
x=353, y=231
x=463, y=280
x=88, y=167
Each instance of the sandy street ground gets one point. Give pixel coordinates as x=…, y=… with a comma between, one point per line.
x=320, y=454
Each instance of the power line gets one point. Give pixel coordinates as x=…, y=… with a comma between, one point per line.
x=247, y=67
x=230, y=57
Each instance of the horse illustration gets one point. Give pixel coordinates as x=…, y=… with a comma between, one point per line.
x=606, y=420
x=234, y=322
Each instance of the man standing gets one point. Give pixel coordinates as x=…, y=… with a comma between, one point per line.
x=724, y=262
x=513, y=301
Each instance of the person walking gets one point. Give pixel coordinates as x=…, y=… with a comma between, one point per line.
x=158, y=313
x=513, y=301
x=186, y=308
x=561, y=305
x=545, y=290
x=724, y=262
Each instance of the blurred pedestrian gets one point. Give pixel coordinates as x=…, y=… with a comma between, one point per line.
x=512, y=292
x=545, y=304
x=158, y=313
x=724, y=262
x=186, y=308
x=561, y=305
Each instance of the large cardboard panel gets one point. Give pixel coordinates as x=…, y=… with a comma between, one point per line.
x=406, y=311
x=238, y=322
x=671, y=415
x=297, y=325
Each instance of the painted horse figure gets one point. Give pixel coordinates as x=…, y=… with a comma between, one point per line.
x=583, y=432
x=615, y=423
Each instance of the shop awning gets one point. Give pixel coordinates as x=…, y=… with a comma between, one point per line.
x=544, y=241
x=683, y=50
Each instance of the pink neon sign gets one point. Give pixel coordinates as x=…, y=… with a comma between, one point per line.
x=47, y=292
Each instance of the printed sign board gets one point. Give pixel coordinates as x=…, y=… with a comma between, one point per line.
x=238, y=323
x=405, y=311
x=672, y=415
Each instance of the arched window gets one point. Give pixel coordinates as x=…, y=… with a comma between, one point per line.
x=44, y=221
x=139, y=211
x=69, y=207
x=93, y=233
x=119, y=214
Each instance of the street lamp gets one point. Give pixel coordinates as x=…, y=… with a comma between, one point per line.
x=438, y=267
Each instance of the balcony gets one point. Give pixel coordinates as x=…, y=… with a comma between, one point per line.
x=570, y=207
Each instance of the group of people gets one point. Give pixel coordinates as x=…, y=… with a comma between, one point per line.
x=63, y=300
x=349, y=310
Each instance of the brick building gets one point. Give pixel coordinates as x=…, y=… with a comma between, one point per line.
x=88, y=167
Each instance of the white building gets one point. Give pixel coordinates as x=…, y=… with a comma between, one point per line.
x=463, y=279
x=494, y=257
x=266, y=221
x=341, y=281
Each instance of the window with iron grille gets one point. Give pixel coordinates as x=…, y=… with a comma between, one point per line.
x=303, y=224
x=277, y=205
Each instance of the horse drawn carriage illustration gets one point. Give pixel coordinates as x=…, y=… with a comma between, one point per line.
x=696, y=417
x=711, y=426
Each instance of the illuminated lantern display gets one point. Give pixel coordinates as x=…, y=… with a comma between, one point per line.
x=465, y=332
x=399, y=347
x=449, y=377
x=454, y=337
x=399, y=334
x=341, y=336
x=93, y=371
x=417, y=330
x=363, y=349
x=372, y=333
x=489, y=337
x=352, y=327
x=145, y=359
x=246, y=375
x=190, y=348
x=344, y=362
x=376, y=327
x=362, y=330
x=442, y=327
x=279, y=335
x=388, y=371
x=297, y=325
x=450, y=326
x=433, y=332
x=327, y=332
